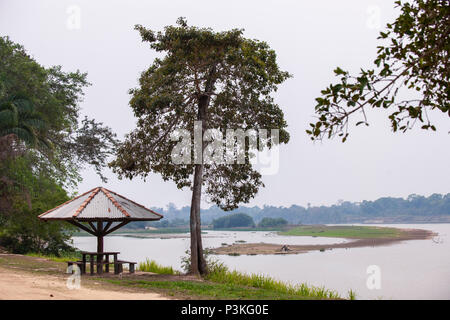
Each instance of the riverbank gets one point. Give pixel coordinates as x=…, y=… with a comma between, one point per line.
x=30, y=277
x=361, y=237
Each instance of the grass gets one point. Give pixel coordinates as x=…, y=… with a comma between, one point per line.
x=356, y=232
x=221, y=274
x=153, y=266
x=64, y=257
x=209, y=290
x=351, y=295
x=224, y=284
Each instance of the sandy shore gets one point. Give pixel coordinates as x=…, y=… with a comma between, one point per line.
x=270, y=248
x=23, y=285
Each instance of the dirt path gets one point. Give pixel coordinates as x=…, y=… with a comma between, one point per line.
x=270, y=248
x=18, y=284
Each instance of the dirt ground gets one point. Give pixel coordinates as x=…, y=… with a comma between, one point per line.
x=26, y=286
x=269, y=248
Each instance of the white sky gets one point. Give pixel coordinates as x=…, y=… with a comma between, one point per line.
x=310, y=38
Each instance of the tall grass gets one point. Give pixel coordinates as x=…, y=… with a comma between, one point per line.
x=219, y=273
x=153, y=266
x=351, y=295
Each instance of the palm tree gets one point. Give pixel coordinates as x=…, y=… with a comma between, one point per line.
x=21, y=126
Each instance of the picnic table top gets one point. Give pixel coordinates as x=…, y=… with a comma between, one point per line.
x=99, y=253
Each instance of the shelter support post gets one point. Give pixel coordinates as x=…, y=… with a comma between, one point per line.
x=100, y=246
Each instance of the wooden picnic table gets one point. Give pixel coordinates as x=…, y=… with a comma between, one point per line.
x=97, y=258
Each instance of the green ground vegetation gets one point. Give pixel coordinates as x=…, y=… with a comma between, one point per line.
x=153, y=266
x=221, y=283
x=355, y=232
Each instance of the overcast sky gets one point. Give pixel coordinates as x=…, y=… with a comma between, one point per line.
x=311, y=38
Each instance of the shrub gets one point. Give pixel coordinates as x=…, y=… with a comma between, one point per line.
x=153, y=266
x=233, y=221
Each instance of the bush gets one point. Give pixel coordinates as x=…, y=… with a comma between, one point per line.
x=272, y=222
x=20, y=229
x=233, y=221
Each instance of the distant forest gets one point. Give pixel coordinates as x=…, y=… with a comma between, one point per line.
x=413, y=209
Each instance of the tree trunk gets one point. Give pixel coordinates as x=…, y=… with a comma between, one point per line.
x=198, y=262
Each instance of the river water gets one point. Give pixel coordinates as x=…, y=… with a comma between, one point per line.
x=414, y=269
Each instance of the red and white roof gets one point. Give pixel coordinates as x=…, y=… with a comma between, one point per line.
x=100, y=204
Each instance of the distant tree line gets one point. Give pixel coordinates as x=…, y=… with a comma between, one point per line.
x=415, y=208
x=242, y=220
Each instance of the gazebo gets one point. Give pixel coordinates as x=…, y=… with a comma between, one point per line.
x=109, y=210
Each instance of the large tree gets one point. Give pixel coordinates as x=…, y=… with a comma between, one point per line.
x=410, y=76
x=43, y=145
x=40, y=113
x=221, y=79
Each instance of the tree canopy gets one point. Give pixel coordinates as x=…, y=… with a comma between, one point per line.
x=410, y=76
x=235, y=74
x=234, y=220
x=42, y=105
x=43, y=145
x=220, y=79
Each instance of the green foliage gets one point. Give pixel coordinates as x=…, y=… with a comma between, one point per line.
x=42, y=147
x=153, y=266
x=20, y=230
x=272, y=222
x=19, y=118
x=39, y=107
x=211, y=262
x=412, y=61
x=233, y=221
x=229, y=77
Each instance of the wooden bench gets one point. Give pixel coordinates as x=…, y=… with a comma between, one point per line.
x=118, y=266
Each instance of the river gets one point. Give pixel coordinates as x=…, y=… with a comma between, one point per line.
x=414, y=269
